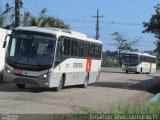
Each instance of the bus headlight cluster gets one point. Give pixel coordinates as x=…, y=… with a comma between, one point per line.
x=44, y=76
x=8, y=70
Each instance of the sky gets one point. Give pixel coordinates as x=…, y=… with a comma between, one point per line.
x=123, y=16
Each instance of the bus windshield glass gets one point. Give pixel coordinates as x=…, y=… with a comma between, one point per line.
x=130, y=59
x=36, y=50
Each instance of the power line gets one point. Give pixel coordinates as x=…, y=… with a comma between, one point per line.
x=28, y=5
x=104, y=22
x=44, y=3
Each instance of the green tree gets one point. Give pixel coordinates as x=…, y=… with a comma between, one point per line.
x=10, y=14
x=43, y=20
x=39, y=21
x=153, y=26
x=2, y=18
x=52, y=22
x=26, y=19
x=122, y=44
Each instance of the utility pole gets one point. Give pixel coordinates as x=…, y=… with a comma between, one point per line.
x=97, y=24
x=17, y=13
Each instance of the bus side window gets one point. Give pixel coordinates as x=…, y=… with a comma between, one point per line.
x=58, y=51
x=100, y=52
x=92, y=51
x=96, y=51
x=67, y=46
x=86, y=50
x=80, y=49
x=74, y=47
x=141, y=58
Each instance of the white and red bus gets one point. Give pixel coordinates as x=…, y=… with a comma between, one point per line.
x=138, y=62
x=3, y=34
x=51, y=57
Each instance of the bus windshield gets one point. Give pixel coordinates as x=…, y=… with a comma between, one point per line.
x=130, y=59
x=36, y=50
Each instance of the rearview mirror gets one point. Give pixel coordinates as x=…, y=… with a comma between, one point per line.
x=4, y=44
x=5, y=40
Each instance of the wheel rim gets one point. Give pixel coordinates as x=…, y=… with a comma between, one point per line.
x=60, y=84
x=86, y=82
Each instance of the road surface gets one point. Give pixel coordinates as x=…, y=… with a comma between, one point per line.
x=113, y=88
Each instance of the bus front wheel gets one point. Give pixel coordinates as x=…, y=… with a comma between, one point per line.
x=21, y=86
x=61, y=84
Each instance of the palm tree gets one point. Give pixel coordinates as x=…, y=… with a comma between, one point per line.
x=9, y=11
x=40, y=21
x=2, y=16
x=52, y=22
x=43, y=21
x=26, y=18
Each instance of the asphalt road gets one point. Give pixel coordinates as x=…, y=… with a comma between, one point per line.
x=113, y=88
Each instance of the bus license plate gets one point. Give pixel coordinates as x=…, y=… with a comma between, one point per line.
x=18, y=71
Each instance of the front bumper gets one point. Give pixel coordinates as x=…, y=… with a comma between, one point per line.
x=10, y=77
x=130, y=69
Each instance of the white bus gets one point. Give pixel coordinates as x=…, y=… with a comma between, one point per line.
x=3, y=33
x=138, y=62
x=51, y=57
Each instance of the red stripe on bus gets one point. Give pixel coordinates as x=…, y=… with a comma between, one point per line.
x=88, y=65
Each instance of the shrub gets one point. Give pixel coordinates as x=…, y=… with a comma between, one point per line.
x=110, y=64
x=158, y=65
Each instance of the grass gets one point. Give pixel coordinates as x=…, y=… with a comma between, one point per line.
x=110, y=64
x=145, y=109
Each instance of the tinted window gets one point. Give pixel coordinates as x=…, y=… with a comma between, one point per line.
x=74, y=46
x=80, y=49
x=67, y=46
x=99, y=51
x=92, y=51
x=86, y=50
x=141, y=58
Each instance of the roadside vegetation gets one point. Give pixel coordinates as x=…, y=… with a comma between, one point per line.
x=110, y=64
x=143, y=109
x=7, y=18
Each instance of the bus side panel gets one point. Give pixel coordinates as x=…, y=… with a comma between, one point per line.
x=95, y=71
x=55, y=79
x=146, y=67
x=153, y=70
x=74, y=71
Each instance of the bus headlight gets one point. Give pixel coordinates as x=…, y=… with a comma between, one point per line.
x=44, y=76
x=7, y=70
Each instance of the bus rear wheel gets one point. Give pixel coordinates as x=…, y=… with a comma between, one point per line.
x=85, y=85
x=21, y=86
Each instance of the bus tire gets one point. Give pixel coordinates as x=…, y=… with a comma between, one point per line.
x=20, y=86
x=85, y=85
x=126, y=71
x=141, y=70
x=137, y=72
x=61, y=84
